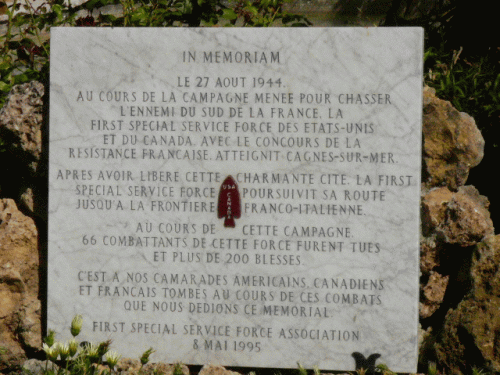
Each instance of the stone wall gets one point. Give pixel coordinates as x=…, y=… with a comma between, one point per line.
x=460, y=255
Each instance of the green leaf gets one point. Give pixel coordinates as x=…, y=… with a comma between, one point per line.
x=5, y=66
x=252, y=9
x=92, y=4
x=264, y=4
x=57, y=9
x=229, y=14
x=5, y=87
x=107, y=18
x=20, y=78
x=497, y=81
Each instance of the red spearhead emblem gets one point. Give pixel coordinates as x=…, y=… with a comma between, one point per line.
x=229, y=205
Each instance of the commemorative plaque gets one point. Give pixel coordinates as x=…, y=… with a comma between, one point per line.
x=225, y=195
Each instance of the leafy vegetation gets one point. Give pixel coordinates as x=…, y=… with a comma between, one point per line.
x=73, y=358
x=24, y=42
x=471, y=85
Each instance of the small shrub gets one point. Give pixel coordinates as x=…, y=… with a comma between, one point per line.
x=86, y=358
x=472, y=86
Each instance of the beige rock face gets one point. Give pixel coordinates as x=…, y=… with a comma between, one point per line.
x=471, y=335
x=133, y=366
x=452, y=143
x=449, y=218
x=128, y=366
x=20, y=308
x=215, y=370
x=454, y=219
x=433, y=294
x=429, y=255
x=460, y=218
x=21, y=120
x=22, y=116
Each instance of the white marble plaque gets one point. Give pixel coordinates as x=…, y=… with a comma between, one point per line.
x=307, y=253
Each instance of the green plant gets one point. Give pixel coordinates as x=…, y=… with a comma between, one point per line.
x=86, y=358
x=145, y=356
x=471, y=86
x=76, y=325
x=476, y=371
x=301, y=369
x=384, y=369
x=49, y=339
x=112, y=359
x=432, y=368
x=178, y=369
x=23, y=51
x=25, y=43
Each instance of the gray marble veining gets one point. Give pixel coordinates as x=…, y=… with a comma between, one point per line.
x=320, y=129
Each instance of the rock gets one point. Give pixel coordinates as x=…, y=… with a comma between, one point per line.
x=452, y=143
x=26, y=199
x=425, y=345
x=133, y=366
x=20, y=309
x=128, y=366
x=429, y=255
x=216, y=370
x=21, y=115
x=21, y=121
x=433, y=294
x=12, y=290
x=460, y=218
x=37, y=367
x=433, y=209
x=165, y=369
x=471, y=334
x=434, y=290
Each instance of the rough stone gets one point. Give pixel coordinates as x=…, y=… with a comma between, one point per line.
x=429, y=255
x=125, y=366
x=20, y=309
x=12, y=290
x=128, y=366
x=164, y=369
x=425, y=344
x=433, y=294
x=21, y=122
x=22, y=116
x=460, y=218
x=452, y=143
x=37, y=367
x=471, y=334
x=216, y=370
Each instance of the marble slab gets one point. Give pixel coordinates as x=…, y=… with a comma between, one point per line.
x=243, y=197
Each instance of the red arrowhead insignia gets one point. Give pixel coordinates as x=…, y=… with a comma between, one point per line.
x=229, y=205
